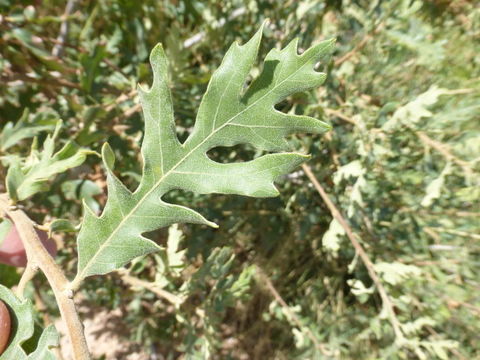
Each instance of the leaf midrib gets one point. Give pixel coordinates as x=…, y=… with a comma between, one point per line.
x=80, y=275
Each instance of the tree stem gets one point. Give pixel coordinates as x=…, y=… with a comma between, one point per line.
x=39, y=257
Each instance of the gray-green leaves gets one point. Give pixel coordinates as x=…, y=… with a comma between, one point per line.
x=23, y=330
x=228, y=115
x=12, y=134
x=25, y=177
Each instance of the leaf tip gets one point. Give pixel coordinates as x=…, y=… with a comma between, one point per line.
x=327, y=45
x=330, y=44
x=304, y=157
x=213, y=225
x=265, y=23
x=274, y=191
x=87, y=209
x=323, y=126
x=157, y=53
x=292, y=46
x=258, y=35
x=108, y=156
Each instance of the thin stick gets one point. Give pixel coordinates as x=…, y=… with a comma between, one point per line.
x=455, y=232
x=349, y=54
x=340, y=116
x=39, y=257
x=50, y=81
x=154, y=288
x=387, y=303
x=135, y=282
x=290, y=313
x=359, y=46
x=64, y=27
x=445, y=151
x=27, y=276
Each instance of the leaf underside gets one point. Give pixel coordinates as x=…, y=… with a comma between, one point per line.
x=230, y=113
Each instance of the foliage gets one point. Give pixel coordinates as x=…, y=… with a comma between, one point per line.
x=401, y=162
x=26, y=177
x=23, y=330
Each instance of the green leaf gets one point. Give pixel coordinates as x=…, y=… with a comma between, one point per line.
x=411, y=113
x=229, y=114
x=174, y=255
x=27, y=177
x=23, y=329
x=434, y=188
x=395, y=272
x=85, y=190
x=58, y=225
x=332, y=238
x=12, y=134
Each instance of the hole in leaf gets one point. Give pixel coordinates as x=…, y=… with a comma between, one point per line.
x=232, y=154
x=180, y=197
x=283, y=106
x=320, y=66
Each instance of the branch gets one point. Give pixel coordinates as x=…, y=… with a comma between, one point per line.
x=154, y=288
x=369, y=35
x=64, y=27
x=387, y=303
x=50, y=81
x=39, y=257
x=445, y=151
x=352, y=52
x=340, y=116
x=290, y=313
x=27, y=276
x=454, y=232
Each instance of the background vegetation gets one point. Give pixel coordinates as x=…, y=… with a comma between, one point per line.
x=280, y=278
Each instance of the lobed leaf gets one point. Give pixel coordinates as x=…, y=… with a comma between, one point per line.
x=229, y=114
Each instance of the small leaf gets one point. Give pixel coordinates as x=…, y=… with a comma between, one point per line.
x=434, y=188
x=61, y=225
x=352, y=169
x=26, y=178
x=332, y=237
x=394, y=273
x=84, y=190
x=411, y=113
x=12, y=134
x=174, y=256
